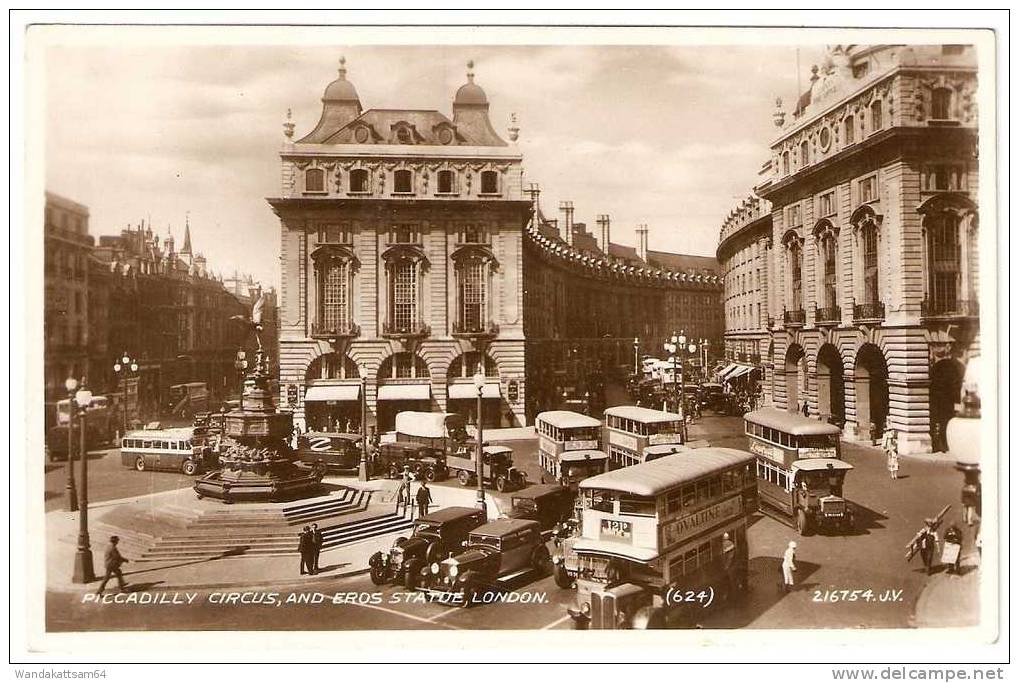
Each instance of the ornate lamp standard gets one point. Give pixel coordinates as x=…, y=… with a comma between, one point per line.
x=672, y=346
x=83, y=571
x=636, y=356
x=362, y=467
x=479, y=385
x=124, y=365
x=71, y=384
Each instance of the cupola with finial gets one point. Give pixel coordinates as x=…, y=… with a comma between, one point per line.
x=470, y=110
x=340, y=106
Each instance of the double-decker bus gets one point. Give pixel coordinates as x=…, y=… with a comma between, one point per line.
x=800, y=469
x=663, y=539
x=569, y=446
x=629, y=430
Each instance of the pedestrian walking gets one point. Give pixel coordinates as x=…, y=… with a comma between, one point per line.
x=304, y=548
x=789, y=566
x=316, y=547
x=806, y=409
x=928, y=544
x=424, y=499
x=401, y=499
x=890, y=445
x=112, y=561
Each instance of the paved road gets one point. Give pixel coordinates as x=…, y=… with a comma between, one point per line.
x=872, y=559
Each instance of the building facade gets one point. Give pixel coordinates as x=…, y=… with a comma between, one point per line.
x=66, y=255
x=744, y=255
x=872, y=183
x=414, y=259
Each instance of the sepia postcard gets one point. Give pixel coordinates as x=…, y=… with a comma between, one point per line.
x=333, y=332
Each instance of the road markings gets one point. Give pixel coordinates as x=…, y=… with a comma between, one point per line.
x=440, y=615
x=555, y=623
x=408, y=616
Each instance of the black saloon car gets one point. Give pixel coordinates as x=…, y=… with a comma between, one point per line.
x=435, y=536
x=424, y=461
x=547, y=504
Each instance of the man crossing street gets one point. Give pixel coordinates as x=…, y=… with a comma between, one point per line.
x=112, y=560
x=789, y=566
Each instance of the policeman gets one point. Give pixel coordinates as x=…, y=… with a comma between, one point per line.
x=789, y=566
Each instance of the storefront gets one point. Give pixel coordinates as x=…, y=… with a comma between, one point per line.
x=396, y=398
x=333, y=407
x=463, y=399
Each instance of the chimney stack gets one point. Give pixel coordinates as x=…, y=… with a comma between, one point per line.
x=642, y=242
x=603, y=233
x=534, y=190
x=566, y=225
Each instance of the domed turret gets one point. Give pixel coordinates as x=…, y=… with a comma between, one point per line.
x=470, y=93
x=340, y=106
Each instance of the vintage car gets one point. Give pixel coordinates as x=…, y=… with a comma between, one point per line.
x=498, y=550
x=424, y=461
x=336, y=451
x=547, y=504
x=436, y=535
x=497, y=467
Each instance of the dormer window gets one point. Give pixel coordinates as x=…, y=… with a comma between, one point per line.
x=315, y=180
x=446, y=183
x=359, y=181
x=404, y=137
x=403, y=182
x=489, y=182
x=446, y=136
x=361, y=134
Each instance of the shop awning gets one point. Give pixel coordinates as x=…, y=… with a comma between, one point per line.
x=726, y=370
x=740, y=371
x=405, y=392
x=332, y=392
x=488, y=390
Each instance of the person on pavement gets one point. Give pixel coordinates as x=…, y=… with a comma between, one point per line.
x=112, y=561
x=424, y=499
x=789, y=566
x=316, y=547
x=890, y=444
x=304, y=547
x=928, y=544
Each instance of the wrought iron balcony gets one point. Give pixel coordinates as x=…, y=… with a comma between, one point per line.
x=405, y=330
x=957, y=308
x=340, y=330
x=872, y=311
x=461, y=329
x=828, y=314
x=797, y=317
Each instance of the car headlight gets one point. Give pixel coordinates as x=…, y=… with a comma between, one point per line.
x=453, y=570
x=585, y=609
x=435, y=567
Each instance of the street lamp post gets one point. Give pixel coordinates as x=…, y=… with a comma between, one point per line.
x=479, y=385
x=672, y=346
x=83, y=571
x=71, y=384
x=636, y=356
x=124, y=365
x=362, y=467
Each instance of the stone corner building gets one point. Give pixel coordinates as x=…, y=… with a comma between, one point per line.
x=872, y=277
x=401, y=248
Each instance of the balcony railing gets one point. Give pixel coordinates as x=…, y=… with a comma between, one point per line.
x=461, y=329
x=404, y=330
x=873, y=311
x=958, y=308
x=797, y=317
x=828, y=314
x=343, y=329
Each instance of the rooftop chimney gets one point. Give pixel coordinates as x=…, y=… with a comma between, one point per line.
x=642, y=242
x=603, y=233
x=566, y=225
x=534, y=190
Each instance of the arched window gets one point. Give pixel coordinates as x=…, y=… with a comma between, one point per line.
x=472, y=294
x=804, y=153
x=944, y=262
x=403, y=181
x=403, y=365
x=869, y=247
x=489, y=182
x=446, y=183
x=359, y=180
x=332, y=366
x=876, y=116
x=333, y=294
x=941, y=103
x=403, y=295
x=315, y=180
x=848, y=129
x=467, y=364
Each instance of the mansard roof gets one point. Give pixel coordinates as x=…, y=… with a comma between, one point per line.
x=425, y=124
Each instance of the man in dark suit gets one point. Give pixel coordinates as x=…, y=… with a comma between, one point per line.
x=113, y=559
x=304, y=547
x=316, y=547
x=424, y=498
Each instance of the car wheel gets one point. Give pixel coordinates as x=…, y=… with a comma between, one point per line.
x=376, y=569
x=190, y=468
x=541, y=561
x=430, y=474
x=464, y=478
x=472, y=594
x=139, y=463
x=563, y=578
x=500, y=483
x=802, y=523
x=412, y=575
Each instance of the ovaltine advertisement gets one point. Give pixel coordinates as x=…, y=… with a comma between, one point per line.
x=677, y=531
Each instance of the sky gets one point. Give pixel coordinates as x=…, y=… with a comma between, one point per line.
x=670, y=136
